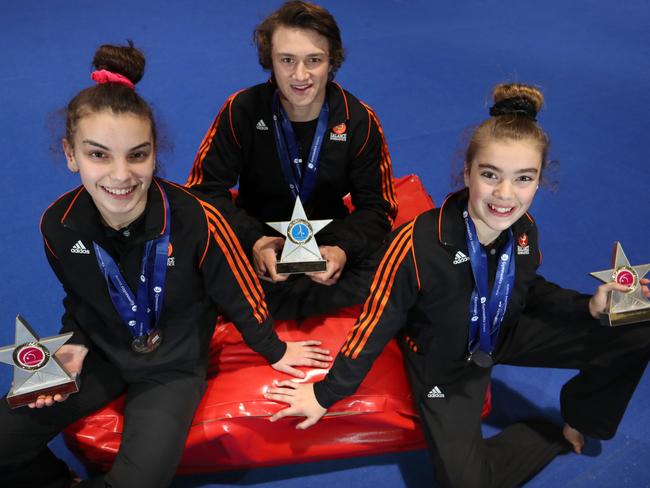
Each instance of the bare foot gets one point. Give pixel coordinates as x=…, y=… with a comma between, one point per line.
x=574, y=437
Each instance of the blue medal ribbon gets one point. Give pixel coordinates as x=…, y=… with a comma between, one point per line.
x=486, y=314
x=139, y=313
x=285, y=141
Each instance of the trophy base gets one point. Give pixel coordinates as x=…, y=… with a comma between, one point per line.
x=300, y=267
x=615, y=319
x=16, y=400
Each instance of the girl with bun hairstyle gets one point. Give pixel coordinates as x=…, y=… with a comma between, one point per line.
x=459, y=288
x=146, y=268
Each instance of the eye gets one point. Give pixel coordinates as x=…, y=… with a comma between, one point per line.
x=138, y=156
x=525, y=179
x=490, y=175
x=97, y=154
x=314, y=61
x=286, y=60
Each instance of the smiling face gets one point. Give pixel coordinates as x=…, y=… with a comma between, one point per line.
x=114, y=155
x=502, y=181
x=301, y=68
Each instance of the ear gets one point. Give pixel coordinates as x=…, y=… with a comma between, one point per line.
x=69, y=156
x=466, y=173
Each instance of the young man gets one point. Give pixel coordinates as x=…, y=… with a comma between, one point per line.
x=301, y=134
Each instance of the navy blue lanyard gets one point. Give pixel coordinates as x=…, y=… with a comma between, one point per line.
x=139, y=313
x=486, y=315
x=285, y=141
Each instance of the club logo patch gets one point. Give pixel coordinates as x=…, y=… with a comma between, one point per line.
x=338, y=133
x=522, y=244
x=171, y=260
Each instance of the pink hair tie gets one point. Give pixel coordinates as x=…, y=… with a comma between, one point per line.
x=105, y=76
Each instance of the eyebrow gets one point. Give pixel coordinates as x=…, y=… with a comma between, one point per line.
x=101, y=146
x=494, y=168
x=319, y=53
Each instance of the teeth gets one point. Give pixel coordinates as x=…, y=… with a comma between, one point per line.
x=501, y=209
x=119, y=191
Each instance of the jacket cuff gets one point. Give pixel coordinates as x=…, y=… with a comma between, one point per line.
x=324, y=395
x=273, y=351
x=350, y=253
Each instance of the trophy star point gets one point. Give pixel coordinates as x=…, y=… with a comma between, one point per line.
x=605, y=276
x=281, y=227
x=317, y=225
x=7, y=354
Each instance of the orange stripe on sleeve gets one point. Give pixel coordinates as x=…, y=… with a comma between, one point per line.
x=442, y=208
x=164, y=207
x=385, y=165
x=238, y=262
x=415, y=264
x=235, y=256
x=345, y=100
x=49, y=248
x=72, y=203
x=40, y=223
x=379, y=292
x=196, y=173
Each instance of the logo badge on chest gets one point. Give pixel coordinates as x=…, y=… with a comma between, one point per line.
x=523, y=247
x=339, y=133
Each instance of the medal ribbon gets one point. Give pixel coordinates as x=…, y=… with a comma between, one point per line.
x=486, y=315
x=139, y=312
x=285, y=141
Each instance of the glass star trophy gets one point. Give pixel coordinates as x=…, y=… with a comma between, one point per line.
x=627, y=307
x=300, y=253
x=36, y=370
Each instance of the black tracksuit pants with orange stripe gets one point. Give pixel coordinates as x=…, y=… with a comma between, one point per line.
x=611, y=363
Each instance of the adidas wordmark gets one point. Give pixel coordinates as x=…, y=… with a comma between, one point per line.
x=460, y=258
x=79, y=248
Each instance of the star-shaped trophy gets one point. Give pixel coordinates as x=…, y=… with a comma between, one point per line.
x=627, y=307
x=36, y=370
x=300, y=253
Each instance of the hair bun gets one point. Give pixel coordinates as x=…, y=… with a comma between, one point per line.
x=127, y=61
x=516, y=99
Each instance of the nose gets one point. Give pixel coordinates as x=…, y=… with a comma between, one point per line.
x=301, y=72
x=121, y=170
x=504, y=190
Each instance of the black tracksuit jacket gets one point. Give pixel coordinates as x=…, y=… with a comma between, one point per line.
x=207, y=273
x=422, y=291
x=240, y=147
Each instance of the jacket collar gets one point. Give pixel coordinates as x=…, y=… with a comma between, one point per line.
x=451, y=227
x=83, y=217
x=338, y=103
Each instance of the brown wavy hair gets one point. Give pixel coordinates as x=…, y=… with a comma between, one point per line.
x=303, y=15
